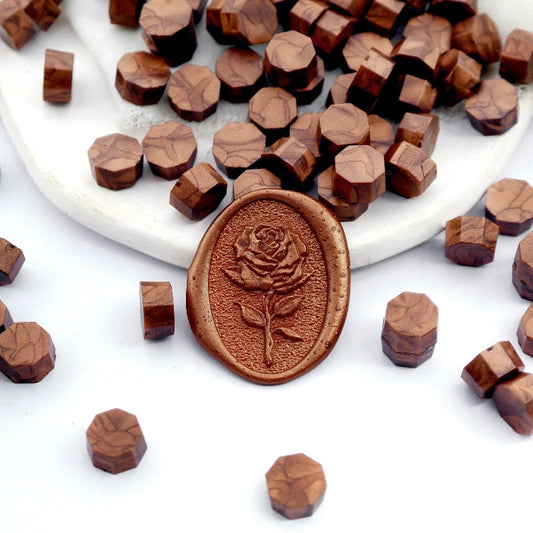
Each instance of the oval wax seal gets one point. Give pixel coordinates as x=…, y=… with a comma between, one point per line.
x=268, y=288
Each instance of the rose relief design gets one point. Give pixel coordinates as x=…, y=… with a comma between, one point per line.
x=271, y=260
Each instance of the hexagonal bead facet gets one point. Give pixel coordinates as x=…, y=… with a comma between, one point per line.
x=359, y=174
x=490, y=367
x=115, y=441
x=198, y=192
x=509, y=203
x=471, y=241
x=248, y=21
x=11, y=261
x=296, y=485
x=410, y=329
x=514, y=400
x=525, y=331
x=27, y=353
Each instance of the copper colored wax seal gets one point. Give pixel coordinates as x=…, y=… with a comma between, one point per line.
x=268, y=288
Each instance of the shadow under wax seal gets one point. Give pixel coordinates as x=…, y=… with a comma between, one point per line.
x=268, y=288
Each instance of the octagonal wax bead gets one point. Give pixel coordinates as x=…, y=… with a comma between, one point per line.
x=410, y=171
x=305, y=14
x=306, y=130
x=338, y=92
x=416, y=95
x=509, y=203
x=525, y=331
x=309, y=93
x=296, y=485
x=432, y=28
x=193, y=92
x=342, y=125
x=170, y=149
x=419, y=129
x=330, y=34
x=198, y=192
x=381, y=133
x=5, y=317
x=417, y=56
x=410, y=329
x=125, y=12
x=343, y=210
x=237, y=146
x=516, y=62
x=57, y=83
x=43, y=12
x=359, y=174
x=27, y=353
x=479, y=37
x=141, y=77
x=116, y=161
x=290, y=160
x=514, y=400
x=353, y=8
x=11, y=261
x=115, y=441
x=453, y=10
x=383, y=16
x=272, y=110
x=253, y=179
x=290, y=60
x=471, y=241
x=458, y=76
x=157, y=309
x=493, y=109
x=16, y=27
x=359, y=45
x=490, y=367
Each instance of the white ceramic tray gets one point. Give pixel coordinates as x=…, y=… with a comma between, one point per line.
x=53, y=141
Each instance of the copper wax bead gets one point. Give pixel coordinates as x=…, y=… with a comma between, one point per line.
x=125, y=12
x=478, y=37
x=359, y=174
x=296, y=485
x=523, y=267
x=383, y=16
x=417, y=56
x=453, y=10
x=525, y=331
x=57, y=85
x=198, y=192
x=416, y=95
x=116, y=161
x=420, y=129
x=254, y=179
x=471, y=241
x=306, y=95
x=357, y=47
x=43, y=12
x=458, y=76
x=16, y=27
x=342, y=125
x=5, y=317
x=157, y=309
x=436, y=30
x=381, y=133
x=330, y=34
x=514, y=400
x=410, y=329
x=410, y=171
x=115, y=441
x=170, y=149
x=27, y=353
x=305, y=14
x=141, y=77
x=493, y=109
x=11, y=261
x=306, y=130
x=338, y=92
x=343, y=210
x=237, y=146
x=168, y=29
x=241, y=74
x=509, y=203
x=193, y=92
x=272, y=110
x=268, y=288
x=354, y=8
x=491, y=367
x=290, y=160
x=516, y=63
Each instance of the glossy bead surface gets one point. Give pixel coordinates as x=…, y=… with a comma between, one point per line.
x=157, y=309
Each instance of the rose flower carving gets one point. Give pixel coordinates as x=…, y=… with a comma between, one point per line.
x=270, y=259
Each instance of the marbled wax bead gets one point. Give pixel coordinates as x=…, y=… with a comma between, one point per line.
x=525, y=331
x=309, y=93
x=417, y=56
x=198, y=192
x=509, y=203
x=381, y=133
x=432, y=28
x=237, y=146
x=254, y=179
x=194, y=92
x=353, y=8
x=157, y=309
x=490, y=367
x=170, y=149
x=383, y=16
x=493, y=109
x=11, y=261
x=43, y=12
x=514, y=400
x=16, y=27
x=141, y=77
x=5, y=317
x=410, y=171
x=57, y=83
x=125, y=12
x=415, y=95
x=338, y=92
x=245, y=22
x=471, y=241
x=420, y=129
x=304, y=15
x=458, y=76
x=241, y=74
x=306, y=130
x=359, y=45
x=522, y=269
x=330, y=34
x=516, y=63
